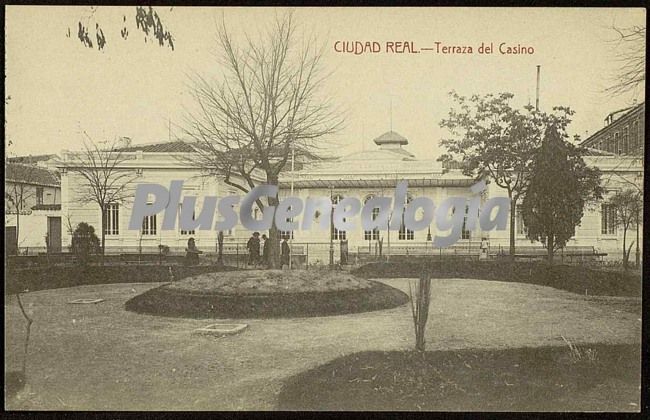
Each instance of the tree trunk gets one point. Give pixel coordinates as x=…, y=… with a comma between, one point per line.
x=550, y=245
x=103, y=233
x=17, y=231
x=625, y=255
x=274, y=233
x=638, y=252
x=220, y=248
x=513, y=209
x=420, y=309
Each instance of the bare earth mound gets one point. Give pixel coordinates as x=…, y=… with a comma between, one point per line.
x=266, y=294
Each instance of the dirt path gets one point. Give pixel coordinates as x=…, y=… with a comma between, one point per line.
x=101, y=357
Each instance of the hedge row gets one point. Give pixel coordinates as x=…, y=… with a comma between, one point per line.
x=41, y=278
x=575, y=279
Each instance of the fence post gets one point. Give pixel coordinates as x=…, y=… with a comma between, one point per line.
x=307, y=257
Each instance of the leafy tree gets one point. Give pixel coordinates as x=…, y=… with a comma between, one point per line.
x=561, y=184
x=147, y=20
x=84, y=242
x=628, y=207
x=491, y=139
x=266, y=105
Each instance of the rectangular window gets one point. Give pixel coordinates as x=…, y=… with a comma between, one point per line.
x=405, y=234
x=635, y=137
x=39, y=195
x=617, y=145
x=625, y=147
x=338, y=235
x=372, y=235
x=610, y=144
x=112, y=219
x=284, y=234
x=185, y=232
x=464, y=233
x=608, y=219
x=149, y=225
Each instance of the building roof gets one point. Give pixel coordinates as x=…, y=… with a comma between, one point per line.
x=161, y=147
x=31, y=174
x=590, y=151
x=31, y=159
x=54, y=207
x=627, y=111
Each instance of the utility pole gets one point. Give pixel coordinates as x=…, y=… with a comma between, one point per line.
x=331, y=229
x=537, y=90
x=293, y=158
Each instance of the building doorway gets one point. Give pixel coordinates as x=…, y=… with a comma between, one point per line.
x=54, y=234
x=11, y=241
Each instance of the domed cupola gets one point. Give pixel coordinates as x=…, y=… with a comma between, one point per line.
x=393, y=142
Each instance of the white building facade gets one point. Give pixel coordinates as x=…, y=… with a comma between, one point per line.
x=361, y=175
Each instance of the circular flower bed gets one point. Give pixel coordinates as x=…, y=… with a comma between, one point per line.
x=267, y=293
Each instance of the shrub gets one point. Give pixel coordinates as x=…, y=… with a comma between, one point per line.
x=84, y=243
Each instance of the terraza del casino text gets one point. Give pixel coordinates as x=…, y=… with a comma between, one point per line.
x=437, y=47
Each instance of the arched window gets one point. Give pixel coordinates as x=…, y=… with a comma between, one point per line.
x=406, y=234
x=371, y=235
x=337, y=235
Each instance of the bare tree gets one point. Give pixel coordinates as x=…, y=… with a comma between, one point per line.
x=629, y=54
x=420, y=309
x=620, y=173
x=628, y=207
x=104, y=182
x=267, y=103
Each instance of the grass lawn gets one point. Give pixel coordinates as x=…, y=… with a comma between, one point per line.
x=602, y=378
x=102, y=357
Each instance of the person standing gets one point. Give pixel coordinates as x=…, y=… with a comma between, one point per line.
x=284, y=257
x=192, y=253
x=266, y=250
x=253, y=246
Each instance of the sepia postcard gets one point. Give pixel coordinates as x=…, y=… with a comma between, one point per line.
x=324, y=209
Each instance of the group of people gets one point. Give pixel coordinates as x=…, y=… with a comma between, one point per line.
x=255, y=244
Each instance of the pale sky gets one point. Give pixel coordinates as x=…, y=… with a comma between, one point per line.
x=59, y=88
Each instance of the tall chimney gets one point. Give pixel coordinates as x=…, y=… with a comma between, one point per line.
x=537, y=91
